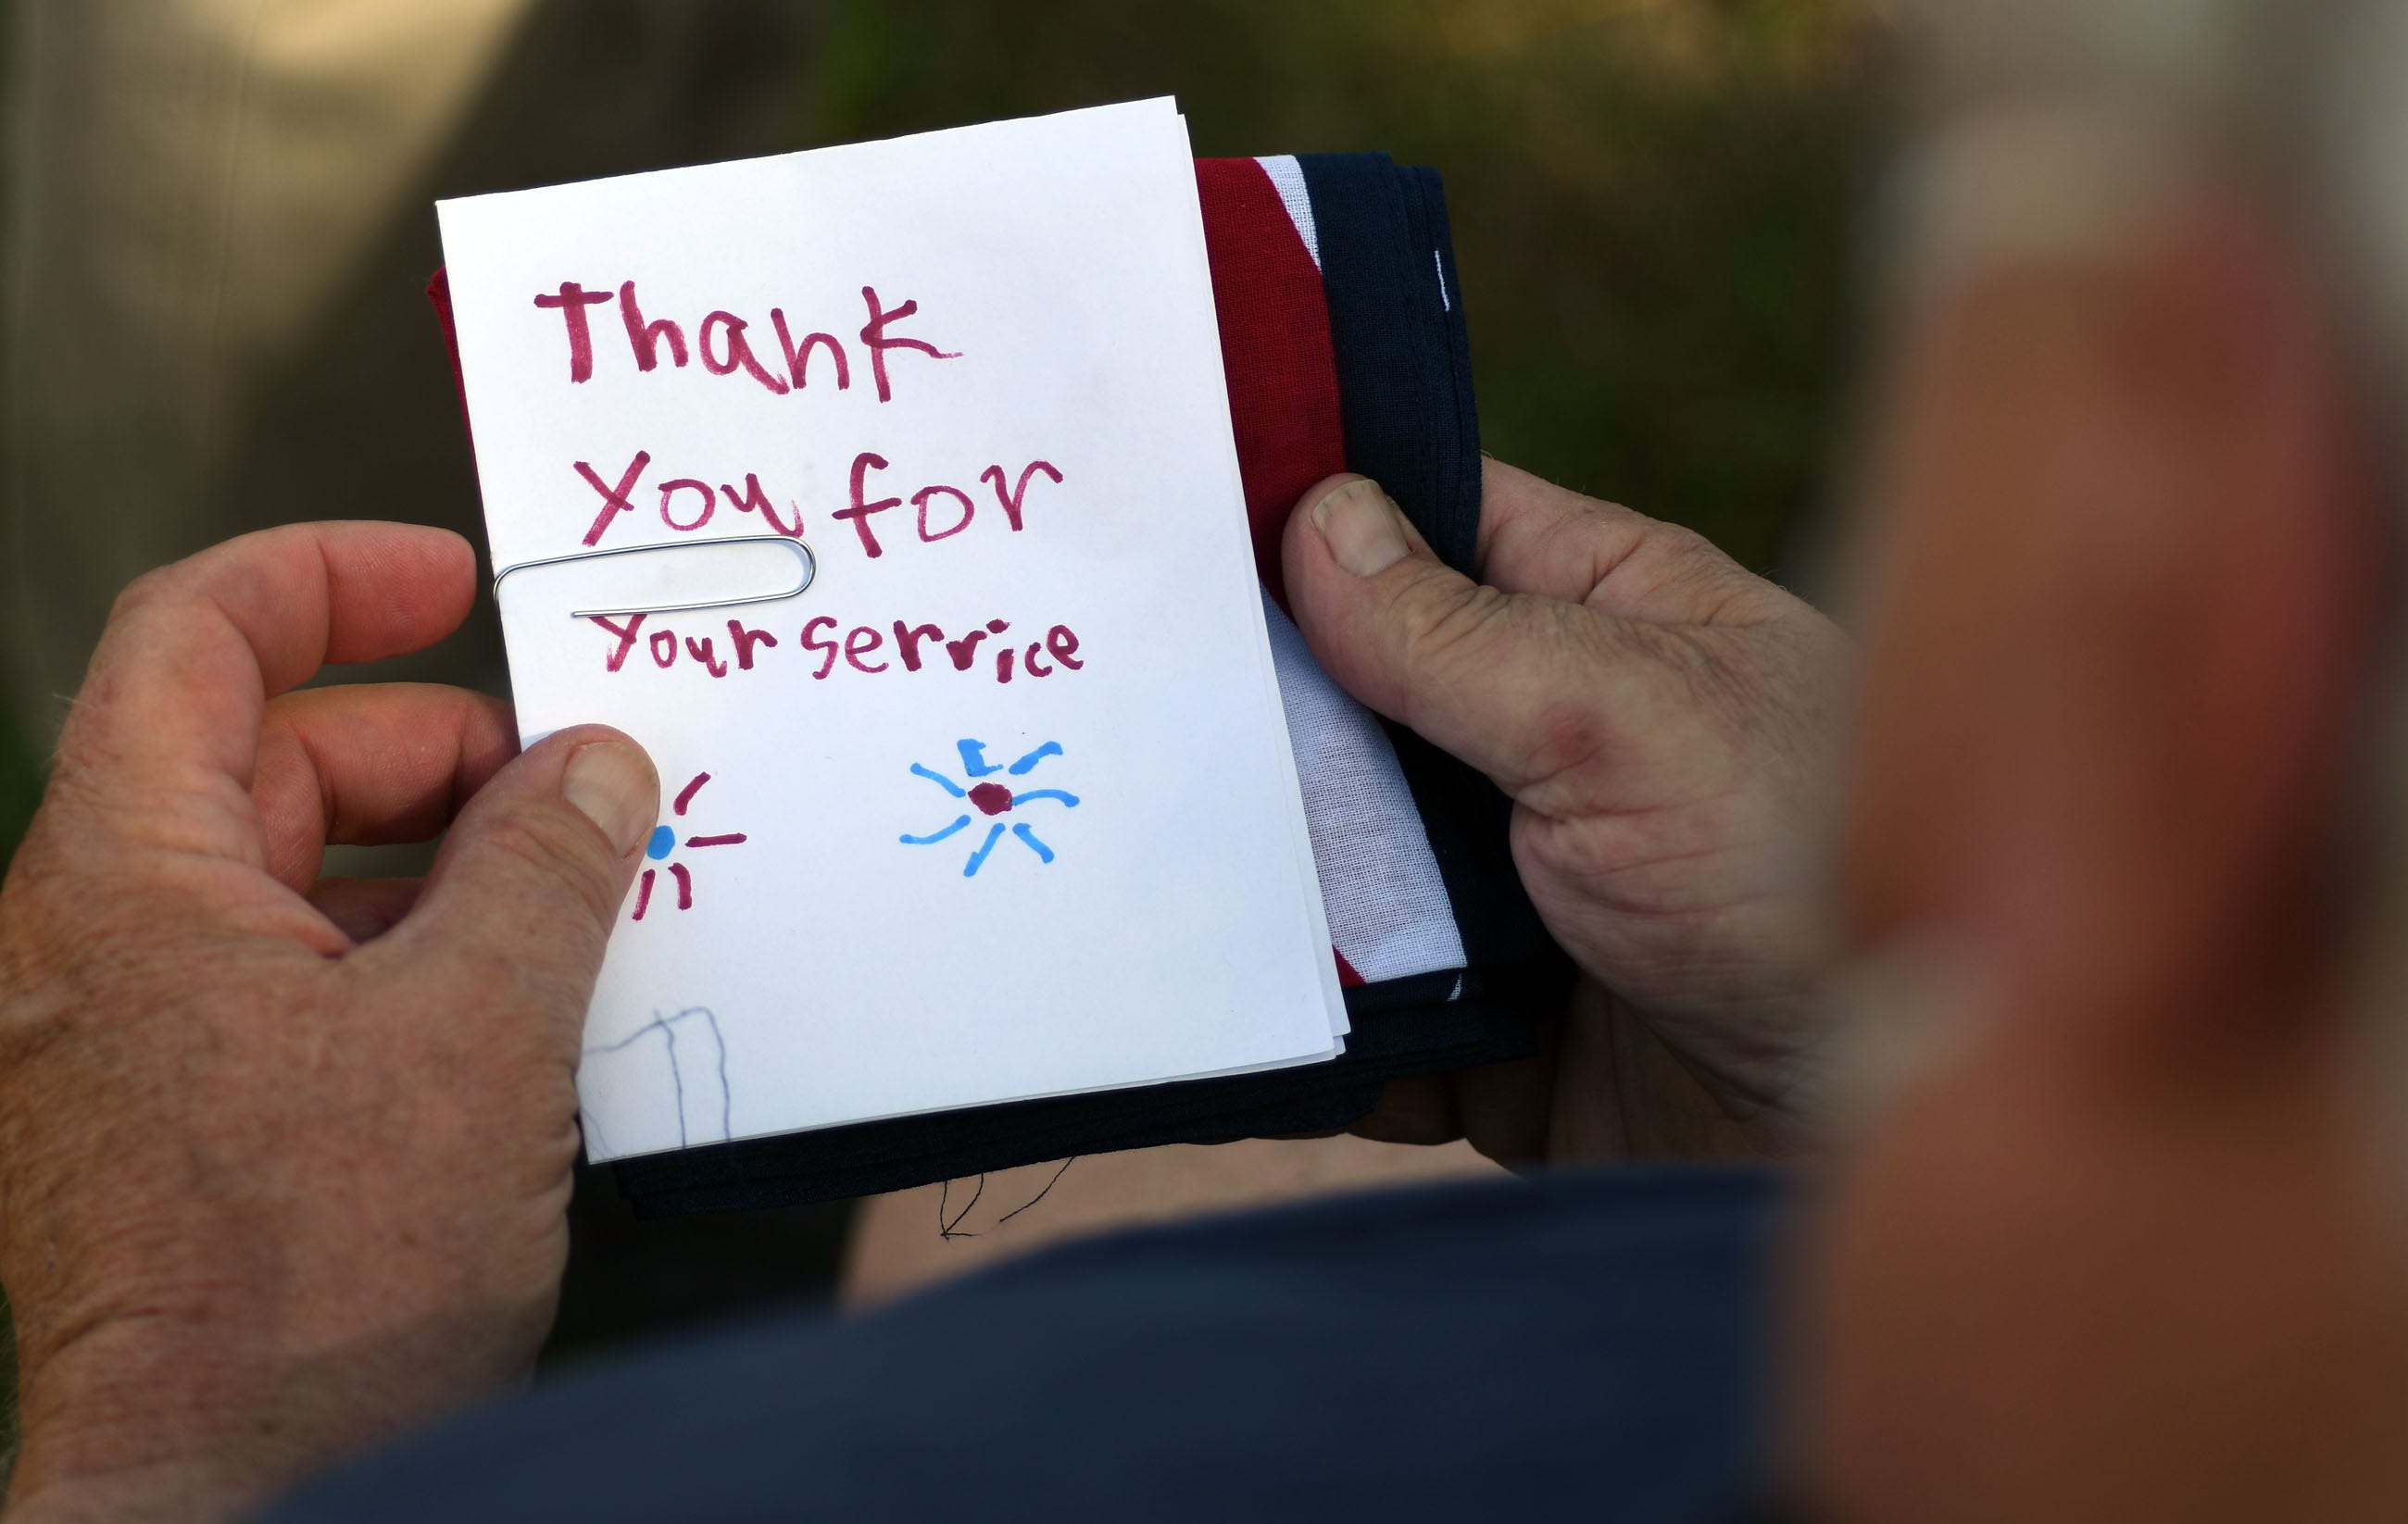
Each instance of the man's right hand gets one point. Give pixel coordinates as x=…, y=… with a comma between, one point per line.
x=1663, y=721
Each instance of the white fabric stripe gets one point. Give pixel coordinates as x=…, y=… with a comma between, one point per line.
x=1288, y=175
x=1388, y=911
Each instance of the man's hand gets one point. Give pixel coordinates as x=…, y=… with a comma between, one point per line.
x=1663, y=721
x=283, y=1163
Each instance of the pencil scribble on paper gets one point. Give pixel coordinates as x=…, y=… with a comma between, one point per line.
x=664, y=841
x=990, y=798
x=686, y=1051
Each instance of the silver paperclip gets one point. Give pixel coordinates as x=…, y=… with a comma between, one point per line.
x=810, y=574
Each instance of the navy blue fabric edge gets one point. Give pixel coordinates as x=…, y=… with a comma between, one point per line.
x=1403, y=348
x=1647, y=1401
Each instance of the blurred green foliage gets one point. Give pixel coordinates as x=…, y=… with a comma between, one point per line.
x=1652, y=201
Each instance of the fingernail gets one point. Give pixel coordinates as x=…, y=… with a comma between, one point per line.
x=1365, y=531
x=614, y=784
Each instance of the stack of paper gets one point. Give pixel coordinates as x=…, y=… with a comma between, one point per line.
x=1002, y=804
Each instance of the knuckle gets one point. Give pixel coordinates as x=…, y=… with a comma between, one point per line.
x=1570, y=725
x=1566, y=737
x=1684, y=559
x=1680, y=543
x=1445, y=637
x=145, y=591
x=1718, y=590
x=539, y=847
x=1523, y=670
x=240, y=574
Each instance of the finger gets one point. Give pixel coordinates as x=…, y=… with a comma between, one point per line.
x=370, y=764
x=1521, y=686
x=529, y=881
x=2128, y=619
x=1540, y=538
x=364, y=909
x=166, y=731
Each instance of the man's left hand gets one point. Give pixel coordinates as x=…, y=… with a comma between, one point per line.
x=284, y=1162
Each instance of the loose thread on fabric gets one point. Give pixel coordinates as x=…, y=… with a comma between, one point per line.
x=1040, y=1195
x=949, y=1230
x=949, y=1223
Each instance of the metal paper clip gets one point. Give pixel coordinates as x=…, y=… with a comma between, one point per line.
x=810, y=574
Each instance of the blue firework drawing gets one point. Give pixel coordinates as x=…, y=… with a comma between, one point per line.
x=990, y=798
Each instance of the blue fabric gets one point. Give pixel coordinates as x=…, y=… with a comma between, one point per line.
x=1581, y=1341
x=1402, y=345
x=1404, y=387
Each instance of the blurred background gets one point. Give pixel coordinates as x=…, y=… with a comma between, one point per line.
x=218, y=230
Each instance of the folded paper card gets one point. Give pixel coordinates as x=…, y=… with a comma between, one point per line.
x=985, y=810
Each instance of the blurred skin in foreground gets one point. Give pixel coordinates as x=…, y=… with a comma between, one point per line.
x=2130, y=1246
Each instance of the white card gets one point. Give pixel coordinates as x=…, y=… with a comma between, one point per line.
x=1056, y=846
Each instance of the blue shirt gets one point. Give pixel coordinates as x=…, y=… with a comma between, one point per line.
x=1589, y=1342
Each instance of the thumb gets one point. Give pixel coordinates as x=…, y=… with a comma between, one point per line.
x=1520, y=685
x=526, y=888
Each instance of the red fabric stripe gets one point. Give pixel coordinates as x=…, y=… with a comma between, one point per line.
x=1275, y=348
x=1347, y=978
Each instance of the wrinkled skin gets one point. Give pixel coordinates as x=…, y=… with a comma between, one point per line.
x=1663, y=722
x=283, y=1165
